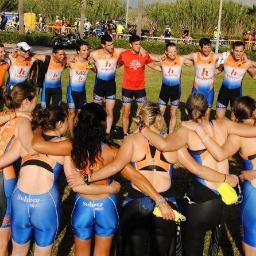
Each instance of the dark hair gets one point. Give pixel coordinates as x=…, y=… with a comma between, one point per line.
x=134, y=38
x=244, y=108
x=57, y=48
x=170, y=45
x=106, y=38
x=204, y=41
x=89, y=133
x=19, y=93
x=79, y=44
x=196, y=106
x=1, y=45
x=238, y=43
x=48, y=118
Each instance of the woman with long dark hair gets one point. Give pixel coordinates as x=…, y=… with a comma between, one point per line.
x=35, y=200
x=95, y=215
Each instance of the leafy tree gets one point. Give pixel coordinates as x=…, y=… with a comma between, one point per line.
x=7, y=5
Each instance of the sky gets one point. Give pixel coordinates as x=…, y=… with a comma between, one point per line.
x=134, y=3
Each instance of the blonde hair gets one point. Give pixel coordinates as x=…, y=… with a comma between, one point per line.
x=147, y=114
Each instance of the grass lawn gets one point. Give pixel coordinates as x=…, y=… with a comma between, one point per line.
x=231, y=241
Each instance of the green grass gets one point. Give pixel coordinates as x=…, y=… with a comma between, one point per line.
x=231, y=241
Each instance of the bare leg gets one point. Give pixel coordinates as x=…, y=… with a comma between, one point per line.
x=102, y=246
x=82, y=247
x=125, y=117
x=162, y=109
x=248, y=250
x=43, y=251
x=110, y=104
x=20, y=250
x=173, y=118
x=71, y=120
x=220, y=113
x=5, y=235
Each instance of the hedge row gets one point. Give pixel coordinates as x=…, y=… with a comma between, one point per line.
x=43, y=39
x=156, y=47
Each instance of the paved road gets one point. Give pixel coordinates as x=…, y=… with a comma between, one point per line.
x=35, y=49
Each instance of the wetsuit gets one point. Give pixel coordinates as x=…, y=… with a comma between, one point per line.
x=171, y=85
x=248, y=214
x=203, y=209
x=204, y=78
x=94, y=217
x=142, y=232
x=234, y=72
x=37, y=216
x=7, y=175
x=76, y=95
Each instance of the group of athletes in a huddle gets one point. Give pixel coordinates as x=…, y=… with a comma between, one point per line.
x=30, y=203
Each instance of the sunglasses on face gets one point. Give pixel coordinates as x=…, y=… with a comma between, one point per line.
x=25, y=51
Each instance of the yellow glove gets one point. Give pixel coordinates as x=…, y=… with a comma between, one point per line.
x=178, y=216
x=228, y=194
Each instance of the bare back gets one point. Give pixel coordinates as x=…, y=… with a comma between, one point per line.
x=218, y=132
x=151, y=163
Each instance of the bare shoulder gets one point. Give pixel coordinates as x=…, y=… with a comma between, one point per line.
x=93, y=53
x=249, y=64
x=109, y=153
x=221, y=124
x=23, y=121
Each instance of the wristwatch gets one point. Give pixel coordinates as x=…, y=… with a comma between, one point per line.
x=86, y=180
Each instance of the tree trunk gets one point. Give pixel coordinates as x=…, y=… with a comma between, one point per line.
x=82, y=18
x=21, y=16
x=140, y=14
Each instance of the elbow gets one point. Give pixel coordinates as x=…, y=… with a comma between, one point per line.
x=164, y=147
x=76, y=189
x=35, y=146
x=220, y=158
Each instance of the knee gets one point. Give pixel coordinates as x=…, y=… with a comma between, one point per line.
x=71, y=114
x=173, y=113
x=126, y=113
x=109, y=112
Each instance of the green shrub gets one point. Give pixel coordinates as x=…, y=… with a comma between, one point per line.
x=43, y=39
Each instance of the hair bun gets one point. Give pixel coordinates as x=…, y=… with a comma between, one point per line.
x=138, y=120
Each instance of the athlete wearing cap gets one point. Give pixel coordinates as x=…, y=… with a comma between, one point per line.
x=21, y=61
